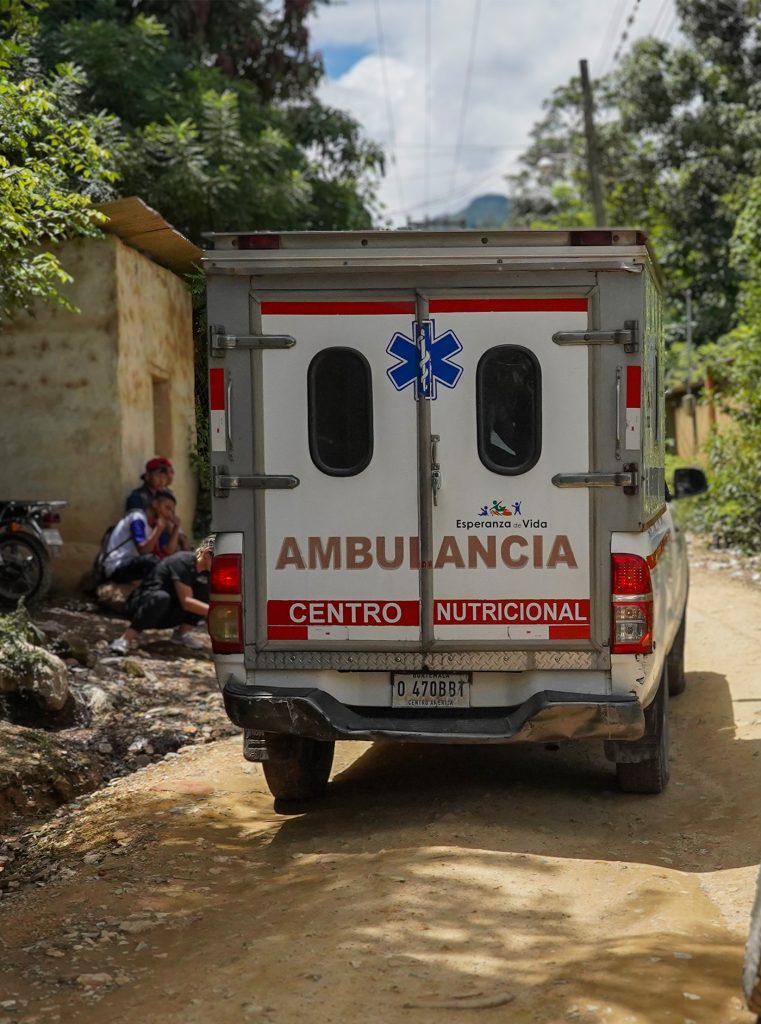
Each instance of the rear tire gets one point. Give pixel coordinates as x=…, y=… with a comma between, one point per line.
x=650, y=773
x=297, y=768
x=752, y=965
x=25, y=570
x=675, y=660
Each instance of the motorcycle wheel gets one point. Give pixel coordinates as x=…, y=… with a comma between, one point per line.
x=25, y=570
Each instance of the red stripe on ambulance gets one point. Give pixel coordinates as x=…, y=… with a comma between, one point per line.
x=390, y=308
x=337, y=308
x=342, y=613
x=217, y=413
x=512, y=611
x=555, y=305
x=633, y=407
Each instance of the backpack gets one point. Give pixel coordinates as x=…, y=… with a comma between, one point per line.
x=98, y=566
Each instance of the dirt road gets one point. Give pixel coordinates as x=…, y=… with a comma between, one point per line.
x=516, y=877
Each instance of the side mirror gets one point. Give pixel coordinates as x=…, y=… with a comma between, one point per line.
x=689, y=482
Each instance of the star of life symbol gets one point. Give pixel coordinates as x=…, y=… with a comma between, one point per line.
x=424, y=362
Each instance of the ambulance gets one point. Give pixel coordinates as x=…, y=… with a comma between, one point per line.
x=439, y=495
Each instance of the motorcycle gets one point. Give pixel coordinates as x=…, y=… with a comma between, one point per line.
x=29, y=538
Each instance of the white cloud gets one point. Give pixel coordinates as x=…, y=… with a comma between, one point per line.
x=522, y=52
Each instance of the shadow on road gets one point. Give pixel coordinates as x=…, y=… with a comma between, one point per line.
x=561, y=802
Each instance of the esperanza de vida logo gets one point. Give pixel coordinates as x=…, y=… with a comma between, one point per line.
x=502, y=515
x=424, y=360
x=497, y=508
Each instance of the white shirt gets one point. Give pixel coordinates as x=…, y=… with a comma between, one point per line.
x=125, y=536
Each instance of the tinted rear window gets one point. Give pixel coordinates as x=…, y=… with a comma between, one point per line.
x=340, y=411
x=508, y=410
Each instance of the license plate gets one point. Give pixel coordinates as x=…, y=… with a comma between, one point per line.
x=430, y=690
x=52, y=537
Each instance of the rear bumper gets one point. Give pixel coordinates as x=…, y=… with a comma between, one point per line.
x=544, y=717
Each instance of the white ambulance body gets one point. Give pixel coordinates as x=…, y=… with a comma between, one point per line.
x=438, y=464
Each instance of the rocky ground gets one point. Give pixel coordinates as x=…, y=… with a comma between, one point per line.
x=106, y=716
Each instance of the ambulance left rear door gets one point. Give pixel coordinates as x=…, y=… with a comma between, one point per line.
x=340, y=560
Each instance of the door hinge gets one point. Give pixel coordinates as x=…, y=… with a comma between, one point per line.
x=221, y=342
x=628, y=336
x=628, y=479
x=224, y=482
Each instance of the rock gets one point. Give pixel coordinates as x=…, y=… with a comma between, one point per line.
x=52, y=630
x=105, y=748
x=100, y=697
x=138, y=745
x=133, y=668
x=93, y=980
x=136, y=927
x=74, y=645
x=35, y=672
x=113, y=596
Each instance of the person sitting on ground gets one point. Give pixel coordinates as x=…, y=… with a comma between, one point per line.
x=140, y=539
x=174, y=596
x=158, y=476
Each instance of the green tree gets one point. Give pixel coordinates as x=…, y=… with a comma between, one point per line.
x=218, y=104
x=733, y=510
x=680, y=132
x=54, y=162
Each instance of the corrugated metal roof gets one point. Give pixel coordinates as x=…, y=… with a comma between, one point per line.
x=143, y=228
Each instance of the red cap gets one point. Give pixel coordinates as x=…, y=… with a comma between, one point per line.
x=159, y=462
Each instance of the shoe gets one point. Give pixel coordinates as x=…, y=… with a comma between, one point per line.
x=119, y=646
x=185, y=639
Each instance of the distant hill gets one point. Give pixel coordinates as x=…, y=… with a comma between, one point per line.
x=488, y=211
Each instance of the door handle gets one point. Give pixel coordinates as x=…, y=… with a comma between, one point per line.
x=436, y=479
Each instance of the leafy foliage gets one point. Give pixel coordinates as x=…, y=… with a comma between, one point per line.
x=680, y=136
x=21, y=645
x=734, y=455
x=217, y=102
x=53, y=162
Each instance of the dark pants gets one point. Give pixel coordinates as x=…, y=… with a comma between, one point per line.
x=136, y=569
x=157, y=609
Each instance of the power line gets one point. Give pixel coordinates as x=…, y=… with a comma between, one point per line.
x=386, y=92
x=659, y=17
x=463, y=194
x=625, y=34
x=671, y=25
x=465, y=93
x=606, y=47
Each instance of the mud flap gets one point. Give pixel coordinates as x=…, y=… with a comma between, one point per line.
x=634, y=751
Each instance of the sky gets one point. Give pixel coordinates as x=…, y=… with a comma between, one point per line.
x=451, y=88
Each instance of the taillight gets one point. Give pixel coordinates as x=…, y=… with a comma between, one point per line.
x=225, y=622
x=50, y=519
x=259, y=241
x=631, y=605
x=226, y=575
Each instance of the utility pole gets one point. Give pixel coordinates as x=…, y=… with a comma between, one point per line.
x=690, y=402
x=593, y=158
